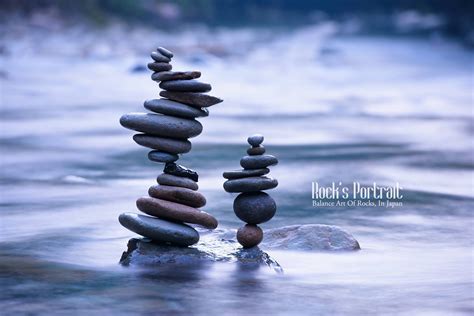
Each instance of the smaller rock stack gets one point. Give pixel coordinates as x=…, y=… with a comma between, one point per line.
x=252, y=205
x=175, y=200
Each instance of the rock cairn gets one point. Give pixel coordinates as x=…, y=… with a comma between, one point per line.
x=175, y=200
x=252, y=205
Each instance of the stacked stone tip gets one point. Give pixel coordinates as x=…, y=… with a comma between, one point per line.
x=174, y=202
x=252, y=206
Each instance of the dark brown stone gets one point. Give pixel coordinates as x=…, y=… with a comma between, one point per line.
x=255, y=151
x=178, y=195
x=249, y=236
x=175, y=212
x=171, y=180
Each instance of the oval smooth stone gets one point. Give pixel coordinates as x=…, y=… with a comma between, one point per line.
x=168, y=107
x=175, y=212
x=159, y=66
x=165, y=52
x=254, y=207
x=170, y=145
x=258, y=162
x=255, y=151
x=175, y=75
x=237, y=174
x=159, y=230
x=163, y=157
x=178, y=195
x=171, y=180
x=255, y=140
x=250, y=184
x=249, y=236
x=185, y=86
x=158, y=57
x=191, y=98
x=161, y=125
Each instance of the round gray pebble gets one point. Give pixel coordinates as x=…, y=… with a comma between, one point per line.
x=255, y=140
x=160, y=156
x=165, y=52
x=255, y=207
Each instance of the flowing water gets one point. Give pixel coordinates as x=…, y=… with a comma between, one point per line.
x=332, y=108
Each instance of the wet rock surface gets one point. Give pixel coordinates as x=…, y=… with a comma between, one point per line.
x=219, y=246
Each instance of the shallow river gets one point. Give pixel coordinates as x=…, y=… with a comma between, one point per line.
x=332, y=108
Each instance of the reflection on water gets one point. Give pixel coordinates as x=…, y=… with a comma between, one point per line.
x=331, y=108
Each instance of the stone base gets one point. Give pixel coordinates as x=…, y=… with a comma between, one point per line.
x=219, y=246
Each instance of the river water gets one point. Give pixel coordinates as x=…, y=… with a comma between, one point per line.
x=332, y=108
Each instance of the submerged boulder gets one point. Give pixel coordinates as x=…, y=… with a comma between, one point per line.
x=313, y=237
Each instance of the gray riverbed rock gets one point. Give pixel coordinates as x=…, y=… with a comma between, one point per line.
x=313, y=237
x=143, y=252
x=220, y=246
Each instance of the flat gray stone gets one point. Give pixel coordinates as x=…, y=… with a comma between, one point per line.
x=168, y=107
x=158, y=57
x=255, y=207
x=312, y=237
x=237, y=174
x=175, y=75
x=185, y=86
x=165, y=52
x=251, y=184
x=161, y=125
x=200, y=100
x=169, y=179
x=170, y=145
x=255, y=151
x=157, y=67
x=160, y=156
x=159, y=230
x=255, y=140
x=258, y=162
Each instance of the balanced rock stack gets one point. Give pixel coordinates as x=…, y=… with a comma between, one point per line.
x=175, y=200
x=252, y=205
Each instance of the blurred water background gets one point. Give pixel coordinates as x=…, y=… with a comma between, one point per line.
x=342, y=90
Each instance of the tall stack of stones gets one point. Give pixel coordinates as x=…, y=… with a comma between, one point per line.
x=252, y=205
x=175, y=200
